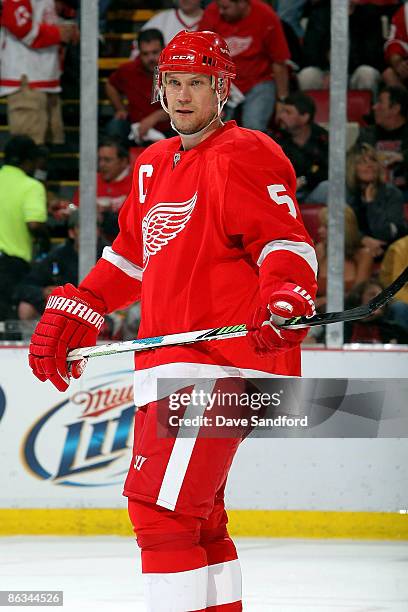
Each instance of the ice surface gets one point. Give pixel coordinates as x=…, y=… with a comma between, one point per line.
x=101, y=574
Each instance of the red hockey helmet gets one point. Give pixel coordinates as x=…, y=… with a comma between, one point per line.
x=203, y=52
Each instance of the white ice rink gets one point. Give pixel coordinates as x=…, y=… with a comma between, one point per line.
x=103, y=573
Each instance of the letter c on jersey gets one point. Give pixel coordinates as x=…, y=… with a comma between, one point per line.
x=144, y=170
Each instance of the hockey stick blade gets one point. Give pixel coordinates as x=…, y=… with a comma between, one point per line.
x=236, y=331
x=360, y=312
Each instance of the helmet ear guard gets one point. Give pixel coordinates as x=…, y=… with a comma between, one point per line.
x=156, y=86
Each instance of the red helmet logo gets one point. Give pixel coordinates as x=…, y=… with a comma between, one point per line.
x=202, y=52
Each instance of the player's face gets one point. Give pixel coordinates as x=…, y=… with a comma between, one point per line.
x=149, y=53
x=232, y=11
x=110, y=164
x=191, y=101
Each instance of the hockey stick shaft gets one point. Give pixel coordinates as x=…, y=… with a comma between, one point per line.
x=236, y=331
x=143, y=344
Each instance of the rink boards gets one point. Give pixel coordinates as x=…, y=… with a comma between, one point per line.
x=64, y=458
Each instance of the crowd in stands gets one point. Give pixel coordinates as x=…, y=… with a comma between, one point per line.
x=129, y=89
x=282, y=53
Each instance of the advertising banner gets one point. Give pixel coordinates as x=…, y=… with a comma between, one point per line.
x=73, y=449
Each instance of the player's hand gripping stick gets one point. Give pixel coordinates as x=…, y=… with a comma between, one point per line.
x=239, y=330
x=287, y=302
x=72, y=318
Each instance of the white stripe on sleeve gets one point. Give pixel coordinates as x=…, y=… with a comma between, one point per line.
x=302, y=249
x=122, y=263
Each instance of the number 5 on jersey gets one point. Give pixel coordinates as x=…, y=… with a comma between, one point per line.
x=275, y=190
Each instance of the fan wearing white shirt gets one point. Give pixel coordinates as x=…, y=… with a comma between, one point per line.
x=185, y=16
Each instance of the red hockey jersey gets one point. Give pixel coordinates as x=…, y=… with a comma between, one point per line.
x=255, y=41
x=29, y=45
x=211, y=232
x=397, y=42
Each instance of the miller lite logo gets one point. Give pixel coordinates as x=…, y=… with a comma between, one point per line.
x=86, y=440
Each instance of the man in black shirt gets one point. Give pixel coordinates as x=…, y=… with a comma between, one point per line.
x=58, y=267
x=306, y=145
x=389, y=135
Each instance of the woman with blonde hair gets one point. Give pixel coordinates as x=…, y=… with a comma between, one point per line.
x=358, y=259
x=378, y=205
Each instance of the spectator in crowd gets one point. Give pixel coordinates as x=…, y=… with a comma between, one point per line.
x=30, y=68
x=134, y=81
x=114, y=182
x=186, y=16
x=306, y=145
x=377, y=328
x=378, y=205
x=358, y=262
x=389, y=135
x=291, y=11
x=396, y=50
x=366, y=59
x=394, y=263
x=259, y=49
x=60, y=266
x=23, y=215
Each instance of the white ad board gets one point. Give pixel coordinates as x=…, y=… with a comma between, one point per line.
x=73, y=449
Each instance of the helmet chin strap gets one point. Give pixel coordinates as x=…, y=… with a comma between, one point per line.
x=220, y=106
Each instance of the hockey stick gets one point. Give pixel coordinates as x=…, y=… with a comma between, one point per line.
x=236, y=331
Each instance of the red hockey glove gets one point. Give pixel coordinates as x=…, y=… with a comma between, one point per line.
x=71, y=319
x=288, y=301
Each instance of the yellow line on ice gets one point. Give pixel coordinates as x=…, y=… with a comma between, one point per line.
x=247, y=523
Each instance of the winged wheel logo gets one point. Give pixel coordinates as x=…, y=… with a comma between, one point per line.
x=162, y=223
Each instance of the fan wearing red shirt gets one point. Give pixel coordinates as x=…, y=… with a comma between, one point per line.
x=210, y=234
x=258, y=46
x=114, y=182
x=133, y=81
x=396, y=50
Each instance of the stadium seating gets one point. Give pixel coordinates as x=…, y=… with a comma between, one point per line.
x=310, y=215
x=358, y=104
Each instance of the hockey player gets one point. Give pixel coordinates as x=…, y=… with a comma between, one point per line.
x=210, y=235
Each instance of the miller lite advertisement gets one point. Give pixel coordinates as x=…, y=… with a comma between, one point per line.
x=73, y=449
x=77, y=443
